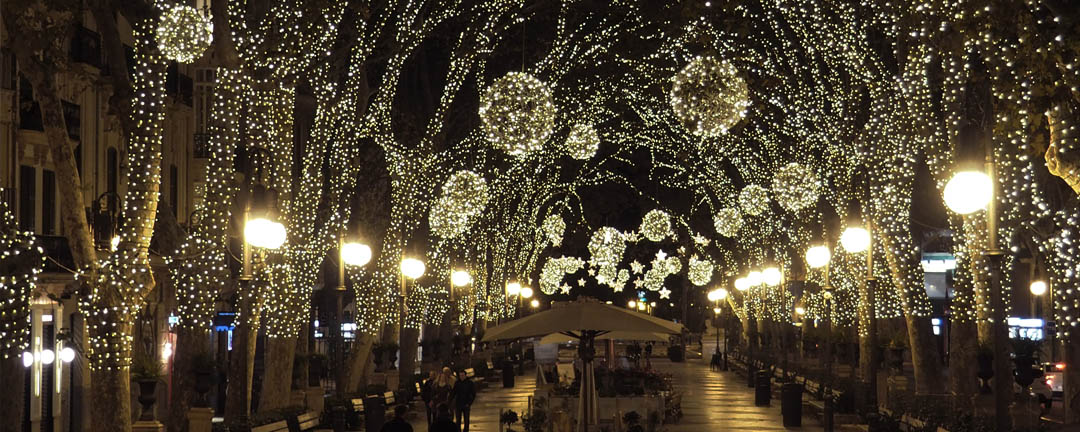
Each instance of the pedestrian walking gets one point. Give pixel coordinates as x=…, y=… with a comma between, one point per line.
x=464, y=395
x=648, y=355
x=443, y=422
x=398, y=423
x=443, y=389
x=427, y=394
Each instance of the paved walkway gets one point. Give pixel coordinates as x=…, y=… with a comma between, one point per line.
x=712, y=401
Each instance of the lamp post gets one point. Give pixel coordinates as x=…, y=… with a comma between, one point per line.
x=856, y=239
x=967, y=192
x=526, y=294
x=354, y=254
x=513, y=290
x=819, y=257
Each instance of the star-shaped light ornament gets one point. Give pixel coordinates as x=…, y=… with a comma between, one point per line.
x=665, y=293
x=592, y=271
x=581, y=282
x=638, y=283
x=637, y=267
x=661, y=255
x=701, y=240
x=564, y=289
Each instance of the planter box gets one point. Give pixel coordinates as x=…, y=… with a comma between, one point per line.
x=608, y=407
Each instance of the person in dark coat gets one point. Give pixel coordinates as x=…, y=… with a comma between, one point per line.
x=398, y=423
x=464, y=395
x=443, y=422
x=427, y=394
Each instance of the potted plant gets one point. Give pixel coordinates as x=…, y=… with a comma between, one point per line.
x=1026, y=351
x=146, y=371
x=536, y=420
x=632, y=420
x=377, y=354
x=203, y=368
x=508, y=417
x=391, y=350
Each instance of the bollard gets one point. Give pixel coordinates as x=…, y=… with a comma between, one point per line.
x=508, y=374
x=763, y=389
x=828, y=414
x=374, y=413
x=791, y=404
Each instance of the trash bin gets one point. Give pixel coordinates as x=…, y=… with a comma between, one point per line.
x=508, y=374
x=830, y=409
x=791, y=404
x=762, y=389
x=374, y=413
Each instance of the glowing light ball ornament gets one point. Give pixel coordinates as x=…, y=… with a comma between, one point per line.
x=554, y=227
x=183, y=34
x=795, y=187
x=551, y=275
x=582, y=142
x=728, y=221
x=708, y=96
x=464, y=196
x=968, y=192
x=606, y=247
x=699, y=271
x=656, y=225
x=518, y=113
x=754, y=200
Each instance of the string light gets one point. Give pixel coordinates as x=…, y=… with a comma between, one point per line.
x=184, y=34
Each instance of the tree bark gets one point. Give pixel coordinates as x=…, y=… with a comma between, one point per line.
x=867, y=331
x=278, y=356
x=13, y=375
x=190, y=343
x=1062, y=158
x=1071, y=398
x=357, y=365
x=242, y=361
x=407, y=357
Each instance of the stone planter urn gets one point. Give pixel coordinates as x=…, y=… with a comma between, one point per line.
x=147, y=398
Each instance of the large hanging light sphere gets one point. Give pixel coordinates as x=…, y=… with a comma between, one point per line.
x=518, y=113
x=795, y=187
x=772, y=276
x=656, y=225
x=708, y=96
x=818, y=256
x=355, y=254
x=855, y=239
x=968, y=192
x=742, y=284
x=699, y=271
x=183, y=34
x=464, y=196
x=582, y=142
x=728, y=221
x=460, y=278
x=754, y=200
x=412, y=268
x=264, y=233
x=755, y=278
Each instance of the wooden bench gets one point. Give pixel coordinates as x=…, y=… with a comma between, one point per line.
x=306, y=422
x=358, y=405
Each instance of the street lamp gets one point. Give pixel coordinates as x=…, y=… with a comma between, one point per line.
x=354, y=254
x=460, y=278
x=772, y=276
x=631, y=304
x=855, y=239
x=513, y=289
x=526, y=292
x=968, y=192
x=742, y=284
x=818, y=256
x=412, y=268
x=1038, y=288
x=754, y=278
x=535, y=303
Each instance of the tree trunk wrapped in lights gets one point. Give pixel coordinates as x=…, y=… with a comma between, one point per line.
x=1063, y=155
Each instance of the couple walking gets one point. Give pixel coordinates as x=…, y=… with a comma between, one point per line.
x=442, y=392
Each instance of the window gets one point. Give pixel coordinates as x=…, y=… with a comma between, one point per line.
x=48, y=202
x=86, y=47
x=72, y=119
x=29, y=110
x=174, y=189
x=27, y=197
x=112, y=170
x=7, y=69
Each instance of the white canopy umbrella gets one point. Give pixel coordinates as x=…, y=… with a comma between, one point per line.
x=585, y=320
x=560, y=338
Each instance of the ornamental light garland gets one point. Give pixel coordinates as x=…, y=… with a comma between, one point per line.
x=728, y=221
x=754, y=200
x=795, y=187
x=708, y=96
x=184, y=34
x=518, y=113
x=582, y=142
x=656, y=225
x=21, y=260
x=551, y=276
